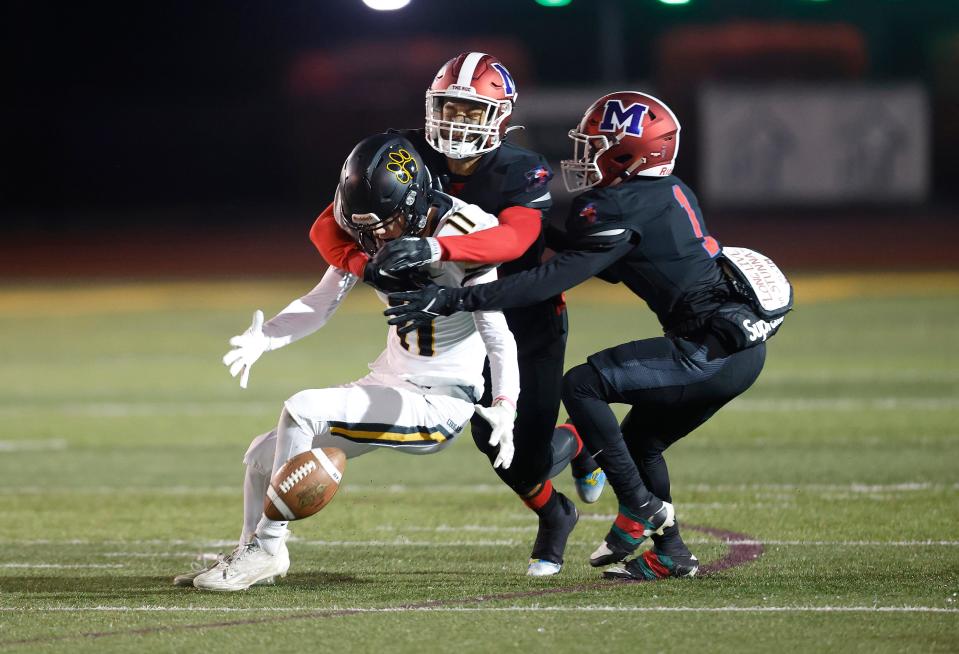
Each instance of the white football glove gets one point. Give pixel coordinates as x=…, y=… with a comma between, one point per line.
x=500, y=416
x=247, y=348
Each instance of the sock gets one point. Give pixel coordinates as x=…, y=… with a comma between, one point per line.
x=542, y=499
x=582, y=463
x=254, y=490
x=630, y=527
x=671, y=543
x=270, y=534
x=291, y=439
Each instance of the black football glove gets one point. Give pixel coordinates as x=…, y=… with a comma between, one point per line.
x=420, y=308
x=391, y=283
x=406, y=253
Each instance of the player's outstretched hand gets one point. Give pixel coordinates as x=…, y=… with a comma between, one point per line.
x=247, y=348
x=500, y=416
x=416, y=309
x=406, y=253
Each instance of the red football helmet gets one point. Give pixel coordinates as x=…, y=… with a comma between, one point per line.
x=468, y=105
x=621, y=135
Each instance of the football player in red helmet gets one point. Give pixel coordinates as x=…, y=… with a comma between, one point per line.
x=468, y=107
x=621, y=135
x=638, y=224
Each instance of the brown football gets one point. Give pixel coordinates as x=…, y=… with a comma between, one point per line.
x=305, y=484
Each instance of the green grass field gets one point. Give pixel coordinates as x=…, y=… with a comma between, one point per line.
x=121, y=437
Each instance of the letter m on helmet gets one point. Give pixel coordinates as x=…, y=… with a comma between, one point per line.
x=617, y=117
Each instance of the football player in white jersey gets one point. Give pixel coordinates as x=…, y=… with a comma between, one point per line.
x=421, y=390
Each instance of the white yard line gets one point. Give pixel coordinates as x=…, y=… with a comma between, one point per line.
x=141, y=409
x=845, y=404
x=410, y=542
x=116, y=490
x=870, y=375
x=221, y=407
x=496, y=489
x=491, y=609
x=855, y=487
x=33, y=446
x=64, y=566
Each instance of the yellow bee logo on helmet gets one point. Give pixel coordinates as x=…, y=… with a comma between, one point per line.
x=402, y=165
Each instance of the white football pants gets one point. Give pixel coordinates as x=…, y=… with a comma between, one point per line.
x=377, y=411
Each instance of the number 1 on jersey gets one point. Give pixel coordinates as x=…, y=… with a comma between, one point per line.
x=709, y=243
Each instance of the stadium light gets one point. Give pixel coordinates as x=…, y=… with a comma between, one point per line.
x=386, y=5
x=553, y=3
x=675, y=2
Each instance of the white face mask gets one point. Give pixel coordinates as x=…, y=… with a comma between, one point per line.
x=582, y=172
x=462, y=125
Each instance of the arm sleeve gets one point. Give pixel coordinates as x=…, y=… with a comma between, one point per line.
x=336, y=246
x=557, y=239
x=310, y=312
x=500, y=348
x=518, y=229
x=562, y=272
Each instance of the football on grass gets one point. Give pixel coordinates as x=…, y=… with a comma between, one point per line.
x=305, y=484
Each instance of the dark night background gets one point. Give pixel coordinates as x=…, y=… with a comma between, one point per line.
x=214, y=117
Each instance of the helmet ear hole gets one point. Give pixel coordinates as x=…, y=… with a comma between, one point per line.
x=623, y=158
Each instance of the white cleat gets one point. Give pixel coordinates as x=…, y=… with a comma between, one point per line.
x=541, y=568
x=206, y=563
x=248, y=565
x=604, y=555
x=203, y=563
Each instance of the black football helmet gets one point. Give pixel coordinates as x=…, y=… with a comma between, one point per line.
x=383, y=180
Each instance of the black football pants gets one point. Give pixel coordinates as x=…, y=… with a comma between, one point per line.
x=673, y=384
x=541, y=346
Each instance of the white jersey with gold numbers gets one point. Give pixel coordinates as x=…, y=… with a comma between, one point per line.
x=450, y=352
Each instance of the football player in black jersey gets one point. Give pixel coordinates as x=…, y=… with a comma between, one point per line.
x=639, y=225
x=468, y=108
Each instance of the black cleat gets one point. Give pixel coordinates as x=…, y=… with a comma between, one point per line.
x=628, y=533
x=653, y=565
x=554, y=530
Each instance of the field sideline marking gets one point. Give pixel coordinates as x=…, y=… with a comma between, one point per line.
x=146, y=296
x=810, y=288
x=497, y=609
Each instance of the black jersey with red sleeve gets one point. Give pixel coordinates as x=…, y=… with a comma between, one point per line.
x=509, y=176
x=647, y=233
